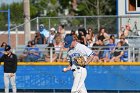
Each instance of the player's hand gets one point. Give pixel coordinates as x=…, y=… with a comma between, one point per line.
x=11, y=74
x=64, y=70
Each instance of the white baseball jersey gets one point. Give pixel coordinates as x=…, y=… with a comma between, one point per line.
x=81, y=72
x=78, y=50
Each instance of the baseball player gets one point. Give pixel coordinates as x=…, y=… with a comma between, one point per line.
x=10, y=67
x=79, y=72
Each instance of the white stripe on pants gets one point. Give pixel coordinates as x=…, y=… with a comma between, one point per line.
x=7, y=78
x=79, y=81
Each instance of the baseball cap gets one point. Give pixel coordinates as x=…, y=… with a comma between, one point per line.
x=52, y=29
x=7, y=47
x=68, y=40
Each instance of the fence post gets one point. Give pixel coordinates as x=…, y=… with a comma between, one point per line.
x=49, y=24
x=16, y=37
x=37, y=24
x=51, y=53
x=85, y=22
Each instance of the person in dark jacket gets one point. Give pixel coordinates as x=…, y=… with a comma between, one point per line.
x=10, y=68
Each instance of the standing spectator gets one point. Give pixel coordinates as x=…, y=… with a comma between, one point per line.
x=10, y=68
x=3, y=44
x=58, y=44
x=52, y=36
x=2, y=48
x=61, y=30
x=43, y=31
x=127, y=30
x=39, y=38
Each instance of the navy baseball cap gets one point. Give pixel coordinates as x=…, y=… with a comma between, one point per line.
x=68, y=40
x=7, y=47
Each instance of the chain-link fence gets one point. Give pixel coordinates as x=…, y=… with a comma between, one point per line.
x=112, y=24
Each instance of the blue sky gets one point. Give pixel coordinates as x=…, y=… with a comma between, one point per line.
x=9, y=1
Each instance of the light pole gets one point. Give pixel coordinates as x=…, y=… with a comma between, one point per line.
x=27, y=27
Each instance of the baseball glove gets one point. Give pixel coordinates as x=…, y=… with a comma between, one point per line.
x=80, y=61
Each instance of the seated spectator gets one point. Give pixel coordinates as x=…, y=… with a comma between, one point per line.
x=89, y=43
x=103, y=36
x=110, y=47
x=117, y=53
x=25, y=52
x=48, y=55
x=125, y=48
x=39, y=38
x=33, y=53
x=102, y=53
x=82, y=37
x=90, y=35
x=73, y=32
x=63, y=55
x=96, y=52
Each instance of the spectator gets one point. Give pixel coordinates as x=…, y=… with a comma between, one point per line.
x=96, y=51
x=51, y=36
x=127, y=30
x=33, y=53
x=3, y=44
x=90, y=35
x=89, y=43
x=63, y=55
x=25, y=52
x=101, y=54
x=118, y=53
x=82, y=37
x=111, y=46
x=61, y=30
x=2, y=48
x=57, y=45
x=73, y=32
x=43, y=31
x=48, y=55
x=125, y=48
x=103, y=36
x=39, y=38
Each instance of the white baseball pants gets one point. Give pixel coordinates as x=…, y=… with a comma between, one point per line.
x=7, y=78
x=79, y=80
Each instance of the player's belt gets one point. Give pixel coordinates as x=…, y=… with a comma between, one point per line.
x=76, y=68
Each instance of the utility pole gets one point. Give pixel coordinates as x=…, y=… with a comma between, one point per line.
x=27, y=27
x=98, y=12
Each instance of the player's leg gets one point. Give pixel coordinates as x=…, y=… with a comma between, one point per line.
x=81, y=86
x=79, y=78
x=13, y=83
x=6, y=82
